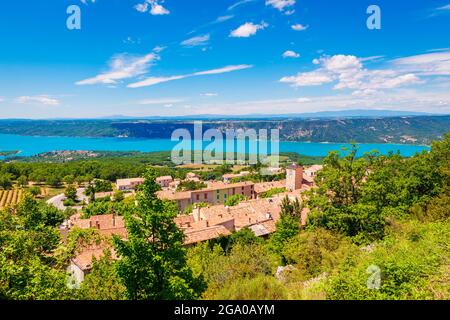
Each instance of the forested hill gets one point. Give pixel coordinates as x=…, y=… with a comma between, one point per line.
x=405, y=129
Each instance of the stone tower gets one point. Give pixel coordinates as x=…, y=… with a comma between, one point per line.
x=294, y=177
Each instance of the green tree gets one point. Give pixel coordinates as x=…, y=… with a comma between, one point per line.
x=6, y=181
x=119, y=196
x=152, y=262
x=35, y=215
x=69, y=179
x=35, y=190
x=27, y=266
x=234, y=200
x=102, y=282
x=71, y=193
x=22, y=181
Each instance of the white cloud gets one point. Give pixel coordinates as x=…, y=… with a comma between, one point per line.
x=156, y=7
x=280, y=5
x=156, y=80
x=444, y=8
x=196, y=41
x=429, y=64
x=313, y=78
x=239, y=3
x=291, y=54
x=87, y=1
x=142, y=7
x=41, y=99
x=397, y=99
x=223, y=70
x=247, y=29
x=209, y=94
x=122, y=67
x=299, y=27
x=348, y=72
x=163, y=101
x=223, y=18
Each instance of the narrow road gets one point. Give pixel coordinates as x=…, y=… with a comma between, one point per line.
x=57, y=201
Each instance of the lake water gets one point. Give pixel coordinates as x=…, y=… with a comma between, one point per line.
x=32, y=145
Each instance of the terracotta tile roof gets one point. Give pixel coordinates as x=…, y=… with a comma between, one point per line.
x=107, y=224
x=173, y=195
x=126, y=182
x=163, y=178
x=266, y=186
x=209, y=233
x=314, y=168
x=84, y=259
x=219, y=185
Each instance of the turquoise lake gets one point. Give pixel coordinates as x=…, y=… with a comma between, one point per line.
x=32, y=145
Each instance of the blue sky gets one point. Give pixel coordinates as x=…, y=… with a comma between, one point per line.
x=173, y=57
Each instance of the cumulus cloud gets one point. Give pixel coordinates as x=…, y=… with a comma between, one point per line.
x=281, y=5
x=154, y=7
x=41, y=99
x=122, y=67
x=290, y=54
x=196, y=41
x=248, y=29
x=348, y=72
x=299, y=27
x=156, y=80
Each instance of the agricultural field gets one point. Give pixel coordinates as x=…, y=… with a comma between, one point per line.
x=10, y=198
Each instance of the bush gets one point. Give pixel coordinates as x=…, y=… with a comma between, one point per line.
x=259, y=288
x=235, y=200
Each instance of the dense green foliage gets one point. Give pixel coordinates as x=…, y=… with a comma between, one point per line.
x=28, y=239
x=190, y=185
x=152, y=262
x=234, y=200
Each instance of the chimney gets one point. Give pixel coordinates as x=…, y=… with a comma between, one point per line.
x=199, y=218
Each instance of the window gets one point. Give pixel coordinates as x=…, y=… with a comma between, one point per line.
x=206, y=196
x=198, y=197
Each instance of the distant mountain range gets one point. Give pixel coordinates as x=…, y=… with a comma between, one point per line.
x=362, y=113
x=361, y=126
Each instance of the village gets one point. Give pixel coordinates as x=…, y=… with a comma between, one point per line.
x=204, y=214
